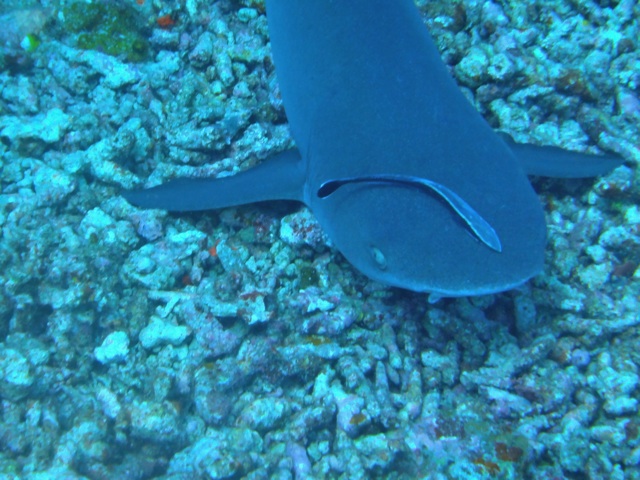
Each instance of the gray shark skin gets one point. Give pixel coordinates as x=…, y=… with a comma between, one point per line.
x=409, y=182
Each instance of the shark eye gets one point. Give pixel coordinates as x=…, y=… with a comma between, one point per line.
x=378, y=257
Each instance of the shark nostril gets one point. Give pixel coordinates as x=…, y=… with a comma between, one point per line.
x=378, y=257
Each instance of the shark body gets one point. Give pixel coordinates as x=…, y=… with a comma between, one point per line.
x=408, y=180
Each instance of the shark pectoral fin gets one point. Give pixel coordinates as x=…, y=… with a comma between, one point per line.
x=181, y=195
x=474, y=221
x=280, y=177
x=548, y=161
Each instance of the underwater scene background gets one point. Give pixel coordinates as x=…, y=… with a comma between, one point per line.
x=238, y=343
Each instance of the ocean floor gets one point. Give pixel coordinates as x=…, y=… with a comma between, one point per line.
x=238, y=343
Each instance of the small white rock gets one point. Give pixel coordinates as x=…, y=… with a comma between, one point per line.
x=621, y=405
x=109, y=401
x=159, y=332
x=114, y=348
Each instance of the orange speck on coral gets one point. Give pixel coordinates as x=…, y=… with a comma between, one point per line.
x=508, y=453
x=166, y=21
x=357, y=419
x=213, y=251
x=492, y=468
x=251, y=295
x=140, y=2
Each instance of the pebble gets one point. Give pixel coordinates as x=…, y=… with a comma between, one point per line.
x=16, y=378
x=52, y=186
x=48, y=127
x=115, y=73
x=159, y=333
x=114, y=349
x=109, y=401
x=375, y=451
x=473, y=69
x=153, y=421
x=350, y=417
x=302, y=228
x=263, y=414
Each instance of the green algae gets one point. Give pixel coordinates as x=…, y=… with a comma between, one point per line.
x=110, y=28
x=308, y=276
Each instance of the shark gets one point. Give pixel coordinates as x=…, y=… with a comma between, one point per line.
x=407, y=179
